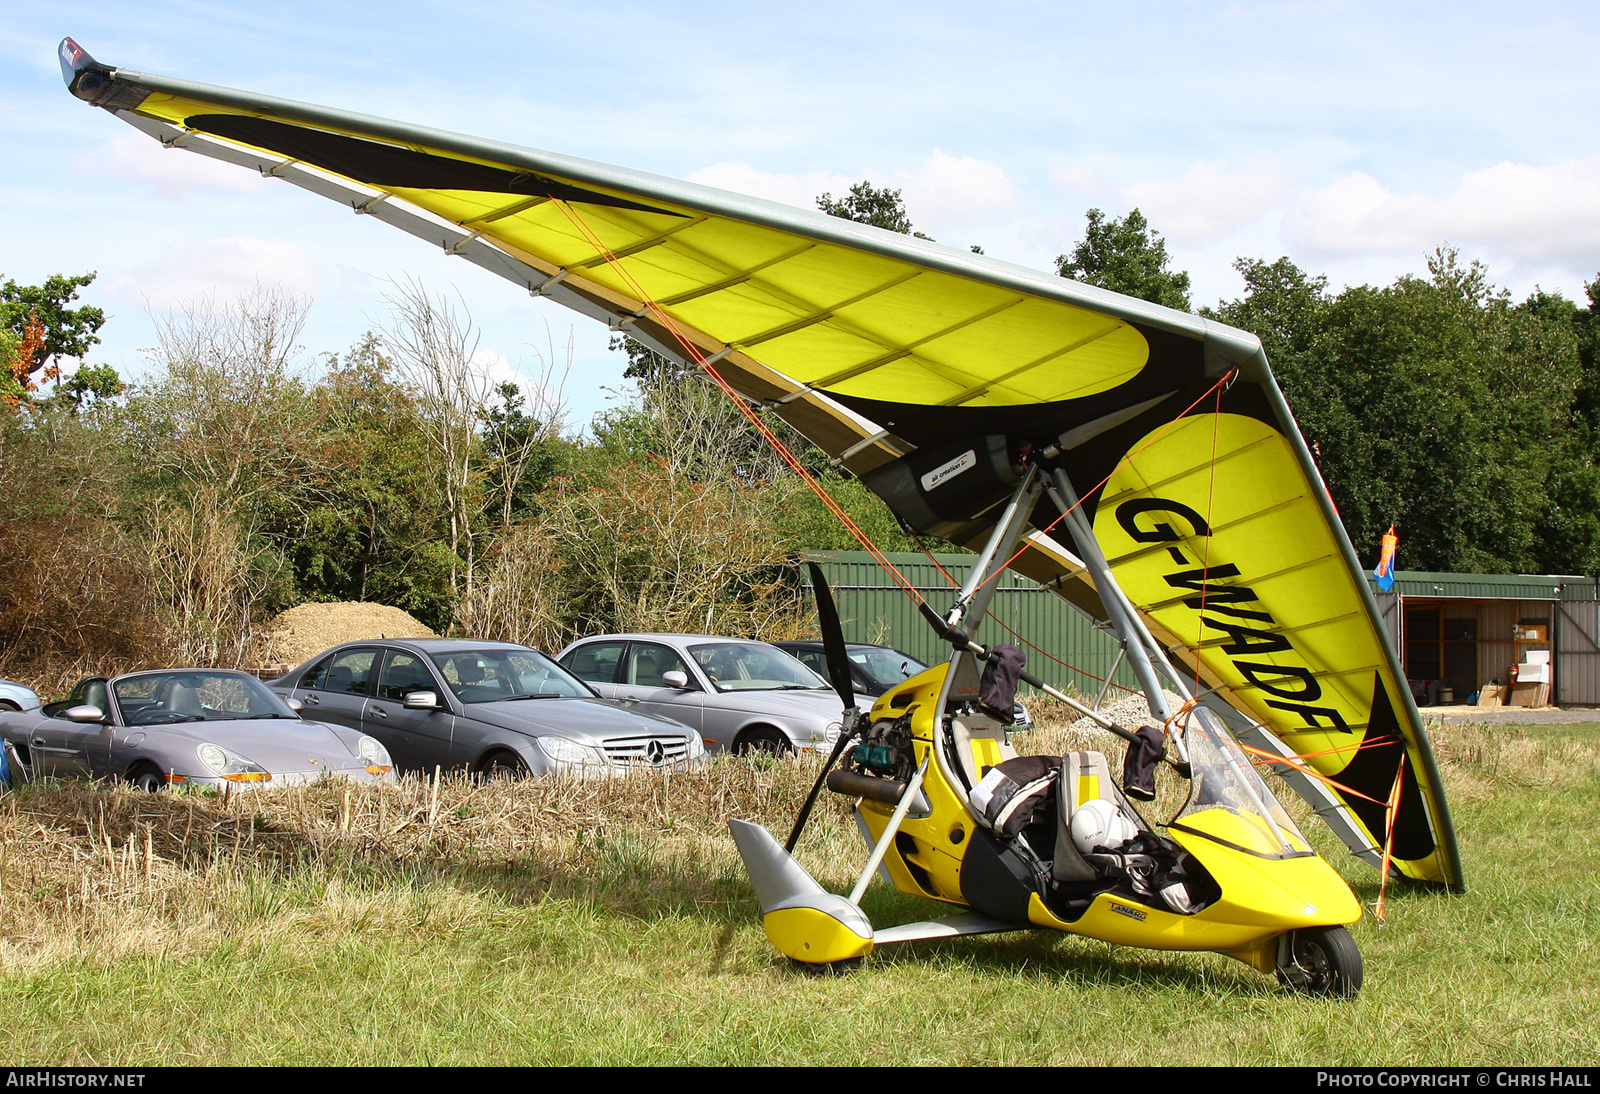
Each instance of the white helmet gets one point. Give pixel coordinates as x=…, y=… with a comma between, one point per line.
x=1099, y=823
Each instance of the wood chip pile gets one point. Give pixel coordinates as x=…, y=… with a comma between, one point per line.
x=308, y=629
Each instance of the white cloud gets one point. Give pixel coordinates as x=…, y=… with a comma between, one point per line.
x=791, y=189
x=950, y=190
x=220, y=269
x=172, y=171
x=1542, y=215
x=1208, y=202
x=944, y=192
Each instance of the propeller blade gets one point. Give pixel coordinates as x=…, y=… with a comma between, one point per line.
x=847, y=733
x=833, y=650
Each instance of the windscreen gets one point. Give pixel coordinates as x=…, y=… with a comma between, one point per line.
x=163, y=698
x=753, y=666
x=886, y=667
x=1230, y=802
x=500, y=675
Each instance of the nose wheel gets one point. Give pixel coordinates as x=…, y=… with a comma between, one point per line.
x=1320, y=961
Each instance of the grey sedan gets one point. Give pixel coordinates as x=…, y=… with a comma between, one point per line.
x=742, y=696
x=204, y=727
x=495, y=708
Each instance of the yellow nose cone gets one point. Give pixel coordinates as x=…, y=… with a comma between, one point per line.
x=813, y=936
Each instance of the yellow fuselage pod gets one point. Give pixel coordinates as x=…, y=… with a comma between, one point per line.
x=1263, y=895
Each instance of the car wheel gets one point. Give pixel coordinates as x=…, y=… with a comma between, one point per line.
x=763, y=741
x=1323, y=961
x=501, y=766
x=148, y=779
x=8, y=707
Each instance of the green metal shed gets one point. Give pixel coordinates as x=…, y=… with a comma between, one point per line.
x=1459, y=631
x=1072, y=651
x=1462, y=631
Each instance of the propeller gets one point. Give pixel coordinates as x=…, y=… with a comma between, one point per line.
x=838, y=663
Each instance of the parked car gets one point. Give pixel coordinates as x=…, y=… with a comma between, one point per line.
x=742, y=696
x=495, y=708
x=18, y=697
x=876, y=669
x=188, y=727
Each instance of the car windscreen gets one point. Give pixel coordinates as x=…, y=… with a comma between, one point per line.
x=753, y=666
x=498, y=675
x=163, y=698
x=885, y=667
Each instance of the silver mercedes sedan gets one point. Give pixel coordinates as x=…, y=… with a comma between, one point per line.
x=742, y=696
x=493, y=708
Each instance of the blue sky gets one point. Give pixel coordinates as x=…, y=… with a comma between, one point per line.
x=1352, y=137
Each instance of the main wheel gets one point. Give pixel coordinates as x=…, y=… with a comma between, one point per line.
x=1322, y=961
x=147, y=779
x=763, y=741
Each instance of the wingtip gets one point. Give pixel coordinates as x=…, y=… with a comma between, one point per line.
x=85, y=77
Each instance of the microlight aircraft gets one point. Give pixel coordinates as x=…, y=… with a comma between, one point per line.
x=1137, y=461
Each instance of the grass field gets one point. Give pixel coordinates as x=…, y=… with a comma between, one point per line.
x=610, y=922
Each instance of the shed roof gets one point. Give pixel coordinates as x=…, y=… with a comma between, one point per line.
x=1495, y=586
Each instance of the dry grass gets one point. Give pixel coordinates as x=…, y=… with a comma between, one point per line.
x=103, y=869
x=610, y=921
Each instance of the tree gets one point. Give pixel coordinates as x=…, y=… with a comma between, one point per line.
x=221, y=428
x=433, y=347
x=1438, y=405
x=868, y=204
x=223, y=407
x=1126, y=256
x=364, y=520
x=18, y=357
x=66, y=332
x=523, y=452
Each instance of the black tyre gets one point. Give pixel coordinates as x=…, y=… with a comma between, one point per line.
x=1322, y=961
x=8, y=707
x=763, y=741
x=499, y=766
x=147, y=778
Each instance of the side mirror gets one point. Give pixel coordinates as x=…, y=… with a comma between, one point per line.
x=296, y=705
x=675, y=678
x=85, y=715
x=421, y=700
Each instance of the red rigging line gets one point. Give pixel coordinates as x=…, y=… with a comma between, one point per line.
x=788, y=457
x=1390, y=813
x=1297, y=762
x=954, y=584
x=1218, y=387
x=699, y=358
x=1205, y=560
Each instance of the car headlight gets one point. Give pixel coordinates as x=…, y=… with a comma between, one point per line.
x=231, y=765
x=377, y=757
x=694, y=748
x=829, y=734
x=565, y=751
